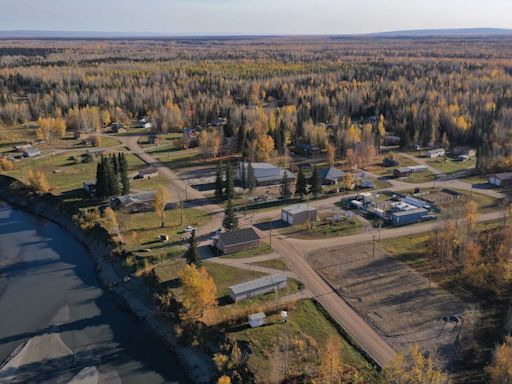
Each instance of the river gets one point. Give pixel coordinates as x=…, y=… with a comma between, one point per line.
x=50, y=299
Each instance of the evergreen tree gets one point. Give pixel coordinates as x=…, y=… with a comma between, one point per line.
x=285, y=190
x=230, y=184
x=100, y=181
x=115, y=164
x=301, y=188
x=114, y=184
x=230, y=221
x=315, y=182
x=243, y=175
x=251, y=179
x=219, y=183
x=192, y=255
x=123, y=174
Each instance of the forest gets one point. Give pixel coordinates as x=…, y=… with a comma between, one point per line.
x=344, y=93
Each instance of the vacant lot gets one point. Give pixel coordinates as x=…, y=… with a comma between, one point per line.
x=401, y=304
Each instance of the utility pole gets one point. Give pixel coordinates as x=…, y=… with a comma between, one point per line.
x=373, y=243
x=341, y=277
x=271, y=234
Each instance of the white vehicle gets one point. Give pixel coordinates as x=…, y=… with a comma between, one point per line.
x=190, y=229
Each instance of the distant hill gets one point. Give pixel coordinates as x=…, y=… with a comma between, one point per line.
x=26, y=34
x=447, y=32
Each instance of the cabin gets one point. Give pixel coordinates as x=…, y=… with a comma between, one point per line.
x=22, y=147
x=391, y=140
x=257, y=287
x=307, y=150
x=237, y=241
x=31, y=152
x=407, y=217
x=418, y=168
x=191, y=136
x=435, y=153
x=298, y=214
x=140, y=202
x=501, y=179
x=147, y=173
x=331, y=176
x=463, y=150
x=266, y=173
x=144, y=123
x=402, y=172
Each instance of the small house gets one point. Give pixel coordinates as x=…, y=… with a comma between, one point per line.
x=257, y=319
x=31, y=152
x=435, y=153
x=389, y=162
x=144, y=123
x=402, y=172
x=392, y=140
x=190, y=136
x=307, y=150
x=237, y=241
x=147, y=173
x=418, y=168
x=408, y=216
x=330, y=176
x=365, y=183
x=258, y=287
x=298, y=214
x=501, y=179
x=132, y=203
x=463, y=150
x=22, y=147
x=117, y=128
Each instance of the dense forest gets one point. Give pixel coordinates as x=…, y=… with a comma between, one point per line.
x=341, y=93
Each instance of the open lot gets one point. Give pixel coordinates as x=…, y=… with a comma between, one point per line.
x=403, y=305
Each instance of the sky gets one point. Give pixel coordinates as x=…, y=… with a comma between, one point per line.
x=250, y=17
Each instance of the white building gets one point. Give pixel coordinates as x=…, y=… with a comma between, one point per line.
x=435, y=153
x=298, y=214
x=257, y=319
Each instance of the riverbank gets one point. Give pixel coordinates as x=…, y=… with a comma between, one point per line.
x=196, y=364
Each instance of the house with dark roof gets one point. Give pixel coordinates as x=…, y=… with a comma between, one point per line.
x=307, y=150
x=389, y=162
x=331, y=175
x=258, y=287
x=132, y=203
x=237, y=241
x=267, y=174
x=501, y=179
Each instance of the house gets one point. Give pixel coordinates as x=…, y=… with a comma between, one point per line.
x=147, y=173
x=365, y=183
x=219, y=122
x=258, y=287
x=392, y=140
x=389, y=162
x=22, y=147
x=190, y=136
x=463, y=150
x=298, y=214
x=266, y=173
x=331, y=175
x=501, y=179
x=117, y=128
x=408, y=216
x=402, y=172
x=237, y=241
x=307, y=150
x=133, y=202
x=89, y=187
x=257, y=319
x=31, y=152
x=435, y=153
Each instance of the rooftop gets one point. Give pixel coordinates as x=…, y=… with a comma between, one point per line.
x=297, y=208
x=410, y=212
x=240, y=236
x=258, y=283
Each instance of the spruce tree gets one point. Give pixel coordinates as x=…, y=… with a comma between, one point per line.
x=315, y=182
x=285, y=190
x=192, y=255
x=243, y=175
x=113, y=171
x=301, y=188
x=219, y=182
x=115, y=164
x=230, y=221
x=251, y=178
x=100, y=181
x=123, y=174
x=230, y=185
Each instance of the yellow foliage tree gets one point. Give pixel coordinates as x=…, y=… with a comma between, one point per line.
x=224, y=380
x=50, y=128
x=199, y=290
x=331, y=363
x=353, y=134
x=161, y=199
x=471, y=216
x=500, y=371
x=348, y=181
x=264, y=148
x=38, y=181
x=5, y=164
x=330, y=151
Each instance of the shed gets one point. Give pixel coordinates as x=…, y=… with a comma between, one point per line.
x=257, y=319
x=418, y=168
x=31, y=152
x=258, y=287
x=237, y=241
x=402, y=172
x=389, y=162
x=298, y=214
x=435, y=153
x=408, y=217
x=331, y=175
x=501, y=179
x=148, y=173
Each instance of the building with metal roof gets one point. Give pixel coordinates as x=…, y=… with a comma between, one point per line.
x=267, y=174
x=331, y=175
x=298, y=214
x=237, y=241
x=258, y=287
x=501, y=179
x=408, y=216
x=139, y=202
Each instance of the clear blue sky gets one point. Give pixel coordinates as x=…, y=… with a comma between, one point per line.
x=252, y=16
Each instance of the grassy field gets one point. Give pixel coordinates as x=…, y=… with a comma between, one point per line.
x=324, y=229
x=420, y=177
x=307, y=331
x=450, y=165
x=272, y=263
x=149, y=185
